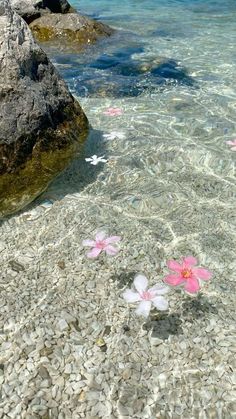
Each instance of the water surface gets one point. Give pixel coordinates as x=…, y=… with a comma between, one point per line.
x=168, y=188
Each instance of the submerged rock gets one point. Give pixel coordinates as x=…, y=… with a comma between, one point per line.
x=126, y=73
x=41, y=125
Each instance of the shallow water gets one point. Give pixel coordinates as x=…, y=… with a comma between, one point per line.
x=173, y=167
x=168, y=188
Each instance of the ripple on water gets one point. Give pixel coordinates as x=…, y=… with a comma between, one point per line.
x=168, y=188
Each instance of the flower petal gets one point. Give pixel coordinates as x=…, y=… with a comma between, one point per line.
x=111, y=250
x=190, y=261
x=232, y=142
x=88, y=159
x=112, y=239
x=202, y=273
x=174, y=266
x=159, y=289
x=173, y=279
x=160, y=303
x=89, y=242
x=192, y=285
x=131, y=296
x=144, y=308
x=100, y=236
x=94, y=252
x=140, y=283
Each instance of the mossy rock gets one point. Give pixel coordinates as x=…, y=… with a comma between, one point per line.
x=52, y=152
x=72, y=29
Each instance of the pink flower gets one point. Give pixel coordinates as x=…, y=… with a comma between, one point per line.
x=113, y=112
x=146, y=297
x=101, y=243
x=187, y=274
x=232, y=144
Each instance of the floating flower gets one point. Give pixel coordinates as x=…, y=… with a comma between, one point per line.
x=114, y=134
x=187, y=274
x=232, y=144
x=95, y=159
x=113, y=112
x=101, y=243
x=146, y=297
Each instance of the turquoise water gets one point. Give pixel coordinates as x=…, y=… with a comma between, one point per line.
x=171, y=69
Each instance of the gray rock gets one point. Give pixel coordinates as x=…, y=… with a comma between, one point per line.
x=41, y=125
x=28, y=9
x=31, y=9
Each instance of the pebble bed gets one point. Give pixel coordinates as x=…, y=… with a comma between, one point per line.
x=70, y=347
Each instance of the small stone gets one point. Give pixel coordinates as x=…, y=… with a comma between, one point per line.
x=62, y=325
x=101, y=343
x=82, y=396
x=68, y=369
x=43, y=372
x=155, y=341
x=61, y=264
x=16, y=266
x=126, y=374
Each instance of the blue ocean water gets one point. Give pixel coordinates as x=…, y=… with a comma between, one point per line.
x=171, y=40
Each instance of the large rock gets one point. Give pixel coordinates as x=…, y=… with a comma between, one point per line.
x=57, y=21
x=73, y=28
x=41, y=125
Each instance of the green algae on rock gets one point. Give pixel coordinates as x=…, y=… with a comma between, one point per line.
x=41, y=124
x=72, y=28
x=50, y=155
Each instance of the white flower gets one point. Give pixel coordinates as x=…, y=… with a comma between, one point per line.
x=95, y=159
x=115, y=134
x=146, y=297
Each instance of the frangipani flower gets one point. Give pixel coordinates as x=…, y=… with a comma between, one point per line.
x=113, y=112
x=232, y=144
x=95, y=159
x=146, y=297
x=114, y=134
x=186, y=273
x=101, y=243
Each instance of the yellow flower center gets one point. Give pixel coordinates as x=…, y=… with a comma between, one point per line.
x=186, y=273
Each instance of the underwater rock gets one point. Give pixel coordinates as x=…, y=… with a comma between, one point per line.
x=171, y=70
x=41, y=124
x=72, y=28
x=124, y=73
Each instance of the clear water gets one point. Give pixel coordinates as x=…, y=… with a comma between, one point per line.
x=168, y=188
x=173, y=172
